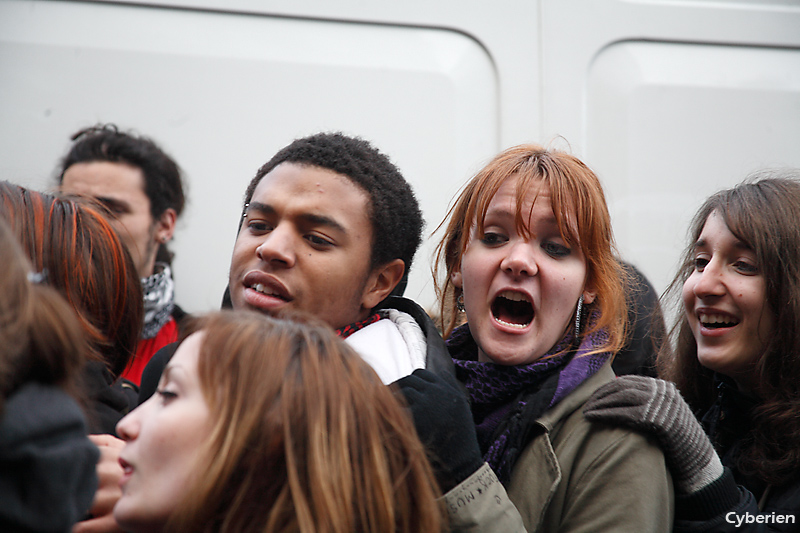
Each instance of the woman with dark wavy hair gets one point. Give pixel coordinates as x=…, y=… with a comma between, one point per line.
x=269, y=425
x=736, y=361
x=737, y=355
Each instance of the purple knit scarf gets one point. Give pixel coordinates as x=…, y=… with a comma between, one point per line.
x=507, y=399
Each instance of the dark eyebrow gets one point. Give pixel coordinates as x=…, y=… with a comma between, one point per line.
x=308, y=218
x=739, y=245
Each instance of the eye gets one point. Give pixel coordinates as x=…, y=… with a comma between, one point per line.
x=114, y=207
x=555, y=249
x=493, y=239
x=166, y=395
x=700, y=263
x=745, y=267
x=318, y=241
x=258, y=227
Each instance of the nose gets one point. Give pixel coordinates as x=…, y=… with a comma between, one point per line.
x=128, y=427
x=278, y=247
x=520, y=260
x=709, y=281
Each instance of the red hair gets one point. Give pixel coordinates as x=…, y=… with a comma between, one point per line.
x=579, y=206
x=82, y=257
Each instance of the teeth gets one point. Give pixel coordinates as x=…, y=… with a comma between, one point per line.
x=716, y=319
x=514, y=296
x=509, y=324
x=263, y=290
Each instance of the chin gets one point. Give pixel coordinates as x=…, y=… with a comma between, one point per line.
x=132, y=522
x=506, y=357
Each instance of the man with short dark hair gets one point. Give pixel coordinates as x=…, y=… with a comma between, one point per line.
x=329, y=227
x=141, y=188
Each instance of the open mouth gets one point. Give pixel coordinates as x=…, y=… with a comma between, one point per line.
x=512, y=309
x=717, y=321
x=127, y=472
x=263, y=289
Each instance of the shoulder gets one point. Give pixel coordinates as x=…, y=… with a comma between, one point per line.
x=581, y=444
x=437, y=359
x=580, y=472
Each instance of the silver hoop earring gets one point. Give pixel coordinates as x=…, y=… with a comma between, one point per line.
x=578, y=314
x=460, y=302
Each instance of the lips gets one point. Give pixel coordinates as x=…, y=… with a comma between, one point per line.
x=263, y=291
x=513, y=309
x=127, y=471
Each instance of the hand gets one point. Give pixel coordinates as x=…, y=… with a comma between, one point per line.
x=444, y=424
x=109, y=472
x=657, y=407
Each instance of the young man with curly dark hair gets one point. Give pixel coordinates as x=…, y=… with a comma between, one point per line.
x=141, y=188
x=330, y=227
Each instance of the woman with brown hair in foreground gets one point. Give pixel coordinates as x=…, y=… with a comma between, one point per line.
x=264, y=424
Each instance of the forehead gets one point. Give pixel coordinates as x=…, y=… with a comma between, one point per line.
x=105, y=179
x=520, y=200
x=292, y=189
x=715, y=229
x=187, y=354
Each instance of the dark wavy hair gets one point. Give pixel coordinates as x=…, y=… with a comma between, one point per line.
x=82, y=257
x=763, y=212
x=394, y=212
x=163, y=184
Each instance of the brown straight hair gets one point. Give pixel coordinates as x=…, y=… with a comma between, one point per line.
x=305, y=437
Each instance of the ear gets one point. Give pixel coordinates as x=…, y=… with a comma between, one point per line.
x=165, y=225
x=381, y=282
x=589, y=295
x=456, y=278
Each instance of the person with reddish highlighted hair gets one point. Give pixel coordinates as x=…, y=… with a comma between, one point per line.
x=79, y=254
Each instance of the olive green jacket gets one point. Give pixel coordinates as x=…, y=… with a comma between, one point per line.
x=574, y=476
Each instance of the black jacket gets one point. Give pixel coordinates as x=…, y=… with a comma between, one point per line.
x=109, y=399
x=47, y=464
x=727, y=423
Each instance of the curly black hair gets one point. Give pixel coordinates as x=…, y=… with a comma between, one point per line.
x=393, y=209
x=104, y=142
